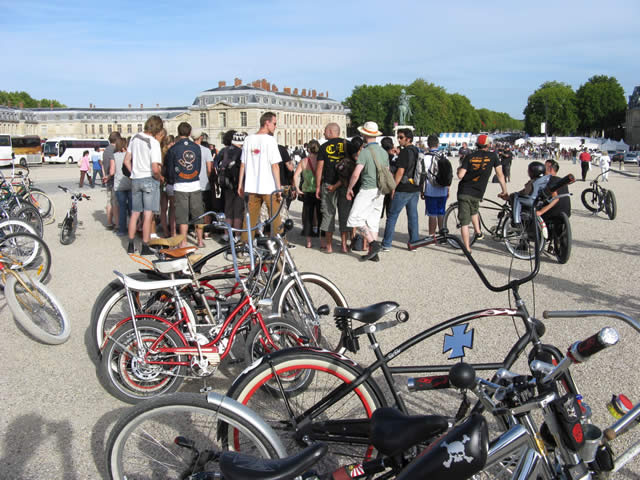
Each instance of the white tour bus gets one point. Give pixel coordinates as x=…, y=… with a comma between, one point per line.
x=70, y=150
x=5, y=150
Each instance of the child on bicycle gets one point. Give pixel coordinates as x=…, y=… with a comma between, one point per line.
x=526, y=196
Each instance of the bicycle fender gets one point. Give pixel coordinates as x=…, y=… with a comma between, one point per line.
x=121, y=323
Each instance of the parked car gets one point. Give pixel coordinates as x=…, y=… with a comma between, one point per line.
x=631, y=157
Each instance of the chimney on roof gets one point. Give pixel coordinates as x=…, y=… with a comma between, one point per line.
x=321, y=95
x=141, y=106
x=327, y=93
x=295, y=91
x=237, y=82
x=313, y=94
x=264, y=84
x=222, y=83
x=129, y=105
x=304, y=92
x=274, y=88
x=255, y=84
x=287, y=90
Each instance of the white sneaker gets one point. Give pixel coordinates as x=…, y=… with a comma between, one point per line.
x=154, y=235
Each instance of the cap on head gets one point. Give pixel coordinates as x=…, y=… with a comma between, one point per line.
x=238, y=138
x=483, y=140
x=370, y=129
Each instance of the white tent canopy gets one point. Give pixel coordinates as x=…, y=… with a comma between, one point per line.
x=577, y=142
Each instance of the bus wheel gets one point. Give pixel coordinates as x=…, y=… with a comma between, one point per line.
x=23, y=162
x=70, y=160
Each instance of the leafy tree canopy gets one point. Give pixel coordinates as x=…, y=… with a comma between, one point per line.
x=601, y=105
x=16, y=98
x=433, y=109
x=555, y=103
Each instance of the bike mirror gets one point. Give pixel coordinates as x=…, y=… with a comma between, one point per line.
x=324, y=310
x=288, y=225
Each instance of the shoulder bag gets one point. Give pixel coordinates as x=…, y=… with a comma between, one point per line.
x=386, y=181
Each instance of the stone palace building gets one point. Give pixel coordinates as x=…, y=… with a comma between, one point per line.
x=302, y=115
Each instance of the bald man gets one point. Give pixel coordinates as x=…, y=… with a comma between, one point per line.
x=330, y=190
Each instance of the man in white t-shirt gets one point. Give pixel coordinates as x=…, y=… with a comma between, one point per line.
x=205, y=173
x=144, y=160
x=260, y=172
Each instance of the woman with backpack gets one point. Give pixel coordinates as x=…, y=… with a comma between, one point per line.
x=228, y=177
x=311, y=213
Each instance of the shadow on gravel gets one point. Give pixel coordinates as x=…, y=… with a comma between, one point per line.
x=589, y=294
x=99, y=438
x=21, y=441
x=625, y=249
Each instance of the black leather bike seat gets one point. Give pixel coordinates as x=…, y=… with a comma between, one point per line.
x=369, y=314
x=393, y=432
x=236, y=466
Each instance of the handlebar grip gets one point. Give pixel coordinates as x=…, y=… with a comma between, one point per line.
x=581, y=351
x=437, y=382
x=569, y=179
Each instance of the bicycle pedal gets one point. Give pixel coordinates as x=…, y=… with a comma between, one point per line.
x=206, y=389
x=80, y=224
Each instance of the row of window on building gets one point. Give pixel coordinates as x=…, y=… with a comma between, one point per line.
x=100, y=130
x=287, y=119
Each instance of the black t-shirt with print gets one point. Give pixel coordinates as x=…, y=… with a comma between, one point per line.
x=478, y=165
x=331, y=152
x=407, y=159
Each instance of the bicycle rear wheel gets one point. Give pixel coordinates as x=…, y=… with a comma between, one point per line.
x=43, y=203
x=13, y=225
x=289, y=300
x=30, y=214
x=453, y=225
x=142, y=445
x=30, y=253
x=610, y=205
x=283, y=332
x=37, y=310
x=304, y=377
x=562, y=238
x=520, y=239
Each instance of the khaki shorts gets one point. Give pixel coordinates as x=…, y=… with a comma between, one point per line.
x=467, y=207
x=188, y=205
x=111, y=198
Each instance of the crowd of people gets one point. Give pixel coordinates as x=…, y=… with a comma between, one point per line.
x=159, y=183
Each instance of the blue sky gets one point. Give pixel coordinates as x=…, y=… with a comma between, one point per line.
x=496, y=53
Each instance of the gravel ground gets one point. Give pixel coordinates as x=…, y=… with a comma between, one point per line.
x=57, y=416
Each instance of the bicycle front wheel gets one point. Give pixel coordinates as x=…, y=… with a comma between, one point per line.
x=142, y=445
x=520, y=239
x=610, y=205
x=284, y=333
x=42, y=202
x=453, y=225
x=590, y=199
x=30, y=214
x=37, y=310
x=562, y=238
x=289, y=300
x=66, y=231
x=292, y=381
x=29, y=252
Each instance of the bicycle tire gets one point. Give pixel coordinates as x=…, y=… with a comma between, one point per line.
x=452, y=223
x=66, y=232
x=518, y=239
x=30, y=214
x=306, y=376
x=41, y=201
x=13, y=225
x=285, y=333
x=43, y=318
x=288, y=300
x=142, y=443
x=125, y=378
x=30, y=251
x=111, y=307
x=610, y=205
x=562, y=238
x=590, y=200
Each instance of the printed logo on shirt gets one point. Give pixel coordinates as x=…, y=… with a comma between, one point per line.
x=256, y=151
x=187, y=160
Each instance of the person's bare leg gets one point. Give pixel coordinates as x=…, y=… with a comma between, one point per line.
x=183, y=228
x=475, y=220
x=172, y=216
x=328, y=242
x=133, y=225
x=440, y=222
x=433, y=221
x=147, y=219
x=464, y=230
x=343, y=237
x=200, y=236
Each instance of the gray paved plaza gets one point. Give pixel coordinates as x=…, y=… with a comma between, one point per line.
x=56, y=416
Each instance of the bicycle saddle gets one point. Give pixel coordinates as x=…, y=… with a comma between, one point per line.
x=393, y=432
x=369, y=314
x=178, y=252
x=236, y=466
x=461, y=453
x=166, y=242
x=170, y=266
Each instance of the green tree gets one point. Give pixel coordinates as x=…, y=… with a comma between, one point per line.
x=555, y=102
x=466, y=118
x=16, y=98
x=601, y=106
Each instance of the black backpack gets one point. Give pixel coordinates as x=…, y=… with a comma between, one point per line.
x=440, y=173
x=229, y=168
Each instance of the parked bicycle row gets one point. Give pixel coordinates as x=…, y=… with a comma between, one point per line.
x=317, y=403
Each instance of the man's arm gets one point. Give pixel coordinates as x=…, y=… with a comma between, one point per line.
x=156, y=171
x=353, y=180
x=461, y=172
x=504, y=194
x=319, y=167
x=241, y=181
x=550, y=205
